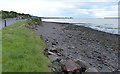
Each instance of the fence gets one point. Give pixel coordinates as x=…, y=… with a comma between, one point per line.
x=7, y=22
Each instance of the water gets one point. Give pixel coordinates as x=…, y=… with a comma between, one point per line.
x=106, y=25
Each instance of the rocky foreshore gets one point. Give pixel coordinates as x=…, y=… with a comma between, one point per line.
x=66, y=41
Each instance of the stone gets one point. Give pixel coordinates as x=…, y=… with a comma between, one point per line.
x=46, y=51
x=60, y=49
x=70, y=66
x=36, y=29
x=53, y=57
x=59, y=54
x=51, y=53
x=91, y=69
x=47, y=40
x=54, y=28
x=72, y=47
x=99, y=57
x=69, y=36
x=83, y=65
x=54, y=43
x=54, y=51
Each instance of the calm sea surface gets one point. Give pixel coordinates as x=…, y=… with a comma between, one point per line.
x=106, y=25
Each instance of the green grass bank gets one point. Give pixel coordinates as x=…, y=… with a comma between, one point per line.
x=22, y=50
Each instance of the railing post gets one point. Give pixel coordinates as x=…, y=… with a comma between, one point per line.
x=5, y=23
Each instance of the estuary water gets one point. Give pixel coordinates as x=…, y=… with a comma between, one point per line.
x=101, y=24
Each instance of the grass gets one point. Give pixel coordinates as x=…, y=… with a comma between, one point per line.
x=22, y=50
x=0, y=50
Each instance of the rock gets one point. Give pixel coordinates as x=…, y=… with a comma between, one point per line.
x=46, y=51
x=72, y=47
x=54, y=43
x=83, y=65
x=99, y=57
x=69, y=36
x=118, y=70
x=46, y=40
x=69, y=47
x=59, y=54
x=53, y=69
x=62, y=61
x=54, y=51
x=60, y=49
x=53, y=33
x=51, y=53
x=53, y=57
x=54, y=28
x=91, y=69
x=70, y=66
x=76, y=52
x=36, y=29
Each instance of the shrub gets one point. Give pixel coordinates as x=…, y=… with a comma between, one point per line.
x=34, y=21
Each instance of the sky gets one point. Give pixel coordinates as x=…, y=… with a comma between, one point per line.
x=63, y=8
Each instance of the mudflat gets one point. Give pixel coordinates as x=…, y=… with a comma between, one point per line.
x=98, y=49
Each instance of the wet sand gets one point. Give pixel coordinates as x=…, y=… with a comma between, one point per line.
x=98, y=49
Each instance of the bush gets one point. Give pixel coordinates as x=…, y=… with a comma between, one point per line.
x=34, y=21
x=12, y=14
x=6, y=14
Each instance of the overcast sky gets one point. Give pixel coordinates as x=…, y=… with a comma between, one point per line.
x=71, y=8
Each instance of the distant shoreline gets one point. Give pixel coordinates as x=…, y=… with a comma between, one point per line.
x=111, y=17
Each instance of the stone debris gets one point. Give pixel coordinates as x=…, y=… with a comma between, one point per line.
x=67, y=65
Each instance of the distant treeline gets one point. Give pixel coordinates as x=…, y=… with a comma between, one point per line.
x=13, y=14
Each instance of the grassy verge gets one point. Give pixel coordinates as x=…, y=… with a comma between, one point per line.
x=22, y=50
x=0, y=51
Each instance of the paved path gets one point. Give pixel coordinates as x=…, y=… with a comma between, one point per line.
x=9, y=21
